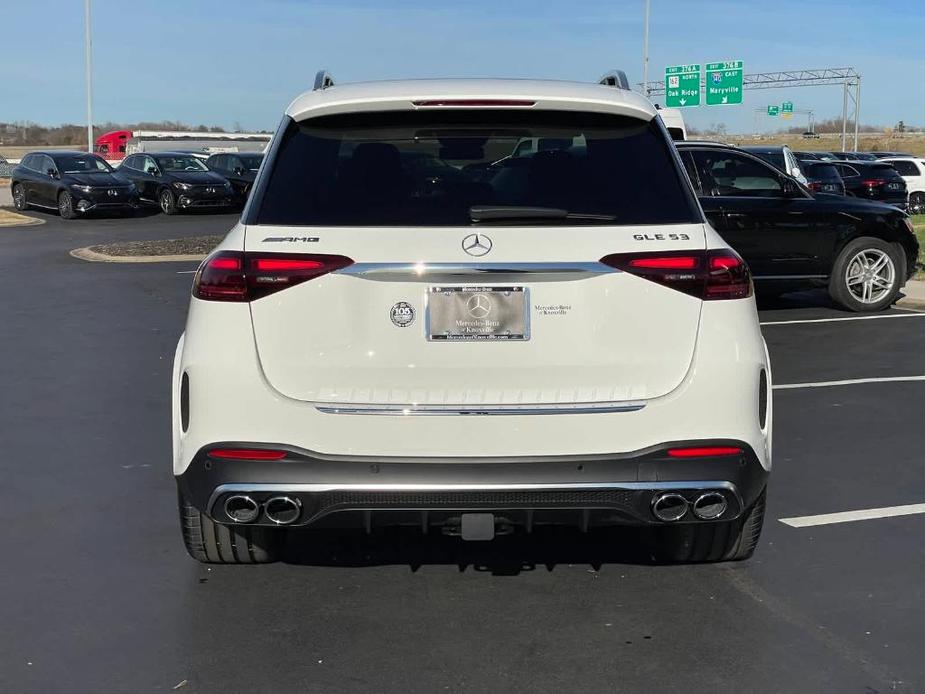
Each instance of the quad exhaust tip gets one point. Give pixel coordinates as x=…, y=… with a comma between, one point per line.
x=241, y=509
x=669, y=507
x=282, y=510
x=709, y=506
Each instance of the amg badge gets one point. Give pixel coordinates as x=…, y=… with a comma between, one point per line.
x=402, y=314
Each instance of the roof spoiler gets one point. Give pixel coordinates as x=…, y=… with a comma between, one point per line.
x=615, y=78
x=323, y=80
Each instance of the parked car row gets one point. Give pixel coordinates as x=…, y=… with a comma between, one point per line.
x=77, y=183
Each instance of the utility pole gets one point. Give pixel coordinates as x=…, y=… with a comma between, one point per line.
x=89, y=69
x=645, y=54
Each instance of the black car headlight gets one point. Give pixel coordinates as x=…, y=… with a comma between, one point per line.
x=181, y=186
x=81, y=189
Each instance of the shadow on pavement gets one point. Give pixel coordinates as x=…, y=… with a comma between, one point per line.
x=507, y=555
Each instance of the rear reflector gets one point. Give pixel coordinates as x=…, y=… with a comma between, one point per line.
x=708, y=275
x=247, y=454
x=237, y=276
x=704, y=451
x=474, y=103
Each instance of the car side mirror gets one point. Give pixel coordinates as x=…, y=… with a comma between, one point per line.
x=151, y=170
x=52, y=173
x=238, y=171
x=791, y=189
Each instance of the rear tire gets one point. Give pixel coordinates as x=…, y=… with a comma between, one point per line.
x=167, y=202
x=19, y=198
x=855, y=260
x=917, y=203
x=66, y=205
x=213, y=543
x=712, y=542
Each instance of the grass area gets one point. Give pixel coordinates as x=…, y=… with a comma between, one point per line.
x=913, y=143
x=918, y=222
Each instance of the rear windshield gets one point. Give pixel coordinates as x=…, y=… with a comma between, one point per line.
x=423, y=168
x=819, y=170
x=883, y=171
x=773, y=158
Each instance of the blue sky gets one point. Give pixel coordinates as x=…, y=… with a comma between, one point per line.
x=241, y=61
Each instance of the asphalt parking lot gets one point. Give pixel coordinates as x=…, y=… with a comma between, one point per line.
x=98, y=594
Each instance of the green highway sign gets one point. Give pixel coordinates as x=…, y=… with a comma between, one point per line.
x=724, y=83
x=786, y=107
x=773, y=110
x=682, y=86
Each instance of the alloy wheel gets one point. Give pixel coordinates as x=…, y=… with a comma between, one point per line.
x=19, y=198
x=917, y=204
x=870, y=275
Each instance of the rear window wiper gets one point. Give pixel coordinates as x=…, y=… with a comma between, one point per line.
x=507, y=213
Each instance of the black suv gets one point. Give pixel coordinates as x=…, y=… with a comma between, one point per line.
x=862, y=252
x=873, y=181
x=73, y=183
x=176, y=180
x=822, y=177
x=240, y=168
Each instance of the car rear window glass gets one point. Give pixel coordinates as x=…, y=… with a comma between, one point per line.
x=773, y=158
x=431, y=168
x=905, y=168
x=819, y=170
x=884, y=171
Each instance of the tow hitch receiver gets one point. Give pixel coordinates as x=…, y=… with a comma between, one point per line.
x=477, y=526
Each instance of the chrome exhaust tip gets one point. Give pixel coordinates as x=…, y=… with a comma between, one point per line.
x=669, y=507
x=283, y=510
x=709, y=506
x=241, y=509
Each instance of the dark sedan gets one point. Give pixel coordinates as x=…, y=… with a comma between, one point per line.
x=74, y=183
x=861, y=251
x=873, y=181
x=177, y=181
x=823, y=177
x=855, y=156
x=240, y=168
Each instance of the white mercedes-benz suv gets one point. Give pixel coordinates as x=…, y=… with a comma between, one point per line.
x=472, y=307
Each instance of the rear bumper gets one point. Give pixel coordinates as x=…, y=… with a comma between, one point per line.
x=609, y=489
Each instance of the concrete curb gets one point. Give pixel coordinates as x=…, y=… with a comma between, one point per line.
x=95, y=257
x=20, y=220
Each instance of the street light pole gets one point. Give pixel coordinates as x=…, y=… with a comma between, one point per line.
x=88, y=43
x=645, y=54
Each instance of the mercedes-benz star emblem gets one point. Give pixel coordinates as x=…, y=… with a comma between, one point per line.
x=478, y=306
x=112, y=192
x=476, y=244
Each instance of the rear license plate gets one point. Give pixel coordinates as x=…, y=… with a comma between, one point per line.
x=478, y=313
x=893, y=186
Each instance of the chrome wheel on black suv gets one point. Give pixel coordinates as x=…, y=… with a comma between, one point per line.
x=66, y=206
x=866, y=275
x=19, y=198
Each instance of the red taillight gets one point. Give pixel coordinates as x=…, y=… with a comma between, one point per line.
x=682, y=262
x=237, y=276
x=872, y=182
x=708, y=275
x=815, y=185
x=246, y=454
x=703, y=451
x=474, y=103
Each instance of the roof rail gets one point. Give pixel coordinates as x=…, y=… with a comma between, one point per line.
x=323, y=80
x=615, y=78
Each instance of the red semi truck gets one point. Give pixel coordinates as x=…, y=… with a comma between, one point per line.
x=116, y=145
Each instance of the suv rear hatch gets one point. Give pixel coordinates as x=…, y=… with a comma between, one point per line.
x=470, y=273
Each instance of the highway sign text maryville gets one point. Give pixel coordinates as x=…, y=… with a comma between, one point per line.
x=724, y=83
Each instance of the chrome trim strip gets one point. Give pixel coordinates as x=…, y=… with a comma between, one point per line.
x=431, y=272
x=790, y=277
x=476, y=410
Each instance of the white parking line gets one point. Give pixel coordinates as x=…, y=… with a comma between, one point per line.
x=912, y=314
x=186, y=272
x=849, y=382
x=850, y=516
